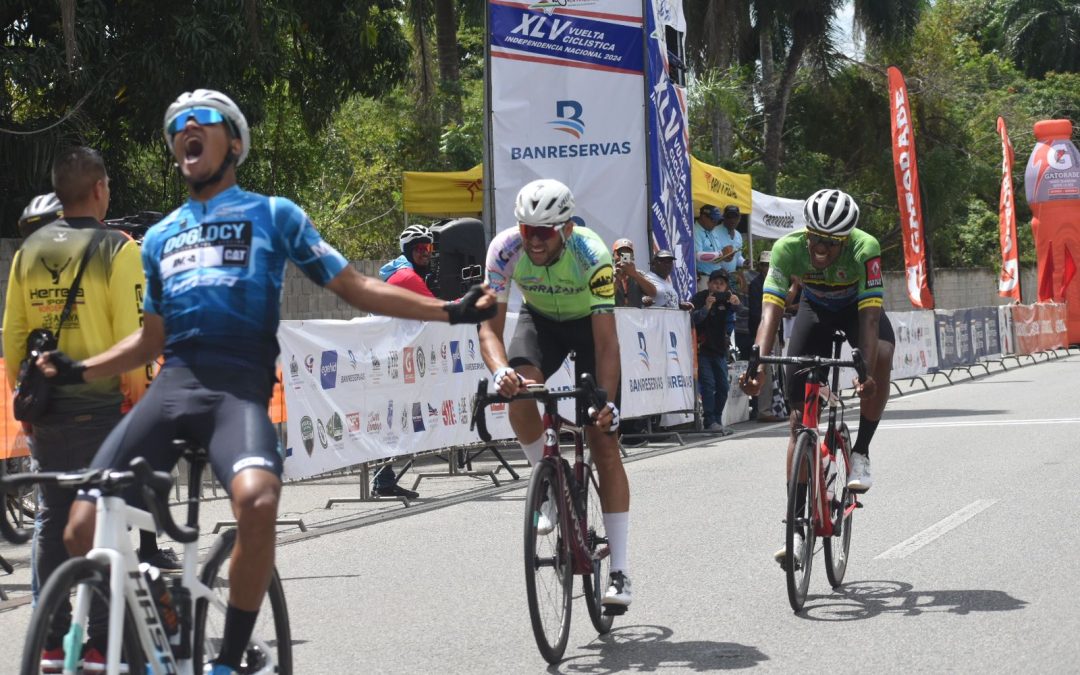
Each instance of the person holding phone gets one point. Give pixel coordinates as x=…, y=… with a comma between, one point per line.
x=631, y=285
x=712, y=307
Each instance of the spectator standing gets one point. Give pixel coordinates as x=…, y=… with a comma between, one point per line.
x=107, y=309
x=409, y=270
x=707, y=249
x=712, y=308
x=631, y=285
x=665, y=296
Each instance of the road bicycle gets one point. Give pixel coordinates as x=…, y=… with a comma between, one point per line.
x=827, y=507
x=578, y=544
x=21, y=504
x=149, y=630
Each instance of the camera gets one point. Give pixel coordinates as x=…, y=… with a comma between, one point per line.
x=626, y=257
x=722, y=296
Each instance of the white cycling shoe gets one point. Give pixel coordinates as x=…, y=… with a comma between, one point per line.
x=860, y=479
x=546, y=516
x=799, y=546
x=618, y=593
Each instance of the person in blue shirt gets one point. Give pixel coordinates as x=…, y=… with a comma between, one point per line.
x=214, y=270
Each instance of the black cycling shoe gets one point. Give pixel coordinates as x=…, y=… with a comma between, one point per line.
x=164, y=559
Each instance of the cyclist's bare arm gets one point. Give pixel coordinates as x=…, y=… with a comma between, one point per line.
x=608, y=373
x=373, y=295
x=869, y=320
x=771, y=313
x=493, y=349
x=134, y=351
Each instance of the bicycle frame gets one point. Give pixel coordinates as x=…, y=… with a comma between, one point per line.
x=572, y=520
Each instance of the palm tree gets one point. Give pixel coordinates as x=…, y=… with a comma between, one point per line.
x=1043, y=35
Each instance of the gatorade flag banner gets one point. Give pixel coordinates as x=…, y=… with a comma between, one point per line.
x=671, y=214
x=1052, y=187
x=568, y=102
x=907, y=193
x=1009, y=280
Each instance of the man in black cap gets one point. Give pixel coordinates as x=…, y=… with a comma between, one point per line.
x=712, y=309
x=663, y=262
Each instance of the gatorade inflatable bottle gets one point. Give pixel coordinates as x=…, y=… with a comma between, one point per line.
x=1052, y=185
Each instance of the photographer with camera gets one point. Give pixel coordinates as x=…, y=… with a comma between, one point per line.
x=712, y=309
x=631, y=284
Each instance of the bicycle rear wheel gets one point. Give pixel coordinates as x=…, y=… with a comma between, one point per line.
x=800, y=551
x=271, y=641
x=840, y=500
x=548, y=570
x=593, y=584
x=54, y=609
x=22, y=502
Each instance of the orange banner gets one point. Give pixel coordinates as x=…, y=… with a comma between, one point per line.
x=1039, y=327
x=907, y=193
x=1009, y=280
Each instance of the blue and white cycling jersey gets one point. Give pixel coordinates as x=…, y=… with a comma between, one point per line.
x=214, y=273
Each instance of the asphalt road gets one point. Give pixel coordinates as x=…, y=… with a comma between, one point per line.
x=964, y=559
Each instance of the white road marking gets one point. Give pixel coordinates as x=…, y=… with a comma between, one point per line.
x=909, y=546
x=977, y=423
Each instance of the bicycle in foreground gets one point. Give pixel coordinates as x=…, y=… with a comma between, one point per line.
x=577, y=545
x=821, y=463
x=153, y=626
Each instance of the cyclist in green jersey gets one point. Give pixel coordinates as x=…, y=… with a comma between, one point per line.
x=565, y=277
x=839, y=267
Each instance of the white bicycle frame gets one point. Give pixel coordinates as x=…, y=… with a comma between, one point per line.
x=128, y=588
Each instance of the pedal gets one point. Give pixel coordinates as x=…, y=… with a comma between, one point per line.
x=614, y=610
x=858, y=504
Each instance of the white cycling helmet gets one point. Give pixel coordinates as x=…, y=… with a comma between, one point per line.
x=41, y=210
x=831, y=212
x=544, y=202
x=208, y=98
x=414, y=233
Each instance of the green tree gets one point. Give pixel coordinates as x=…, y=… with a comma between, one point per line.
x=1043, y=35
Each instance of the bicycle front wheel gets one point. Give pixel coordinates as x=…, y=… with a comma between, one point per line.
x=53, y=615
x=593, y=584
x=271, y=640
x=548, y=570
x=841, y=500
x=799, y=529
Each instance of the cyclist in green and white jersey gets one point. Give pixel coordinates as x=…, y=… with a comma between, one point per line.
x=839, y=267
x=565, y=277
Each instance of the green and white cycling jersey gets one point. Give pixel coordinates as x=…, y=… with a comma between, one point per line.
x=854, y=277
x=577, y=285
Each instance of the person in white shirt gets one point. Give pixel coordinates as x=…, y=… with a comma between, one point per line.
x=659, y=271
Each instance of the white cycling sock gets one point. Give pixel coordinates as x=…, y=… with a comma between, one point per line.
x=534, y=451
x=617, y=528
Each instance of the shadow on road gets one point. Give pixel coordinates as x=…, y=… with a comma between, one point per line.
x=869, y=599
x=647, y=648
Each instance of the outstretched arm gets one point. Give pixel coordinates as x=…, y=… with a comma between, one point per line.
x=132, y=352
x=373, y=295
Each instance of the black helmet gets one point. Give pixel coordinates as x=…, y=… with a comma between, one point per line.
x=41, y=211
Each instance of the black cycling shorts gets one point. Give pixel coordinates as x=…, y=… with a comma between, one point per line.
x=812, y=336
x=544, y=343
x=222, y=410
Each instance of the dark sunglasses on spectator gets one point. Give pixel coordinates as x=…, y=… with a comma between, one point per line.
x=423, y=247
x=203, y=116
x=824, y=240
x=541, y=232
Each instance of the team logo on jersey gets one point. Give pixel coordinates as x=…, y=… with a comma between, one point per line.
x=602, y=283
x=873, y=273
x=209, y=245
x=56, y=270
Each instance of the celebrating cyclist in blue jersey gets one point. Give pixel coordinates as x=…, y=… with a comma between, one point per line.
x=214, y=270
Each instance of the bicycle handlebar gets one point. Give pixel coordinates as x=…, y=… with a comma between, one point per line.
x=587, y=393
x=856, y=362
x=155, y=486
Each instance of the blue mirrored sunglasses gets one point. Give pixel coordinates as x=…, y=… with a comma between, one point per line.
x=203, y=116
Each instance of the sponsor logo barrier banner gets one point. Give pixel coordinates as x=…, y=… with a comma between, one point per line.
x=567, y=103
x=376, y=388
x=1039, y=327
